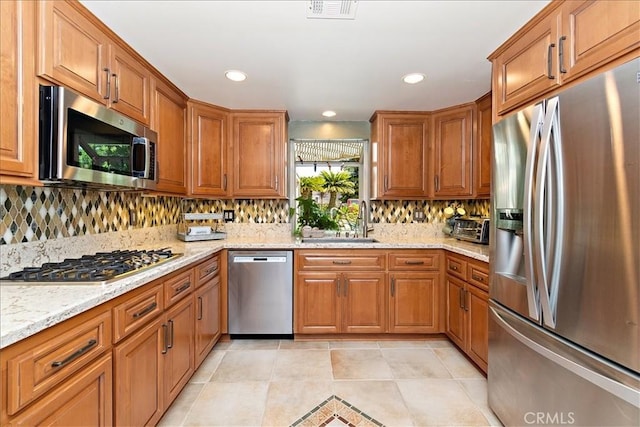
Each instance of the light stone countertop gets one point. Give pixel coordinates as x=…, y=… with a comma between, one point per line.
x=26, y=310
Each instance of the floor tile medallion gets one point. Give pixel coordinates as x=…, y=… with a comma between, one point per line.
x=336, y=412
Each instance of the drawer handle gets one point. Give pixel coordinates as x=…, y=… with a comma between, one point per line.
x=342, y=262
x=549, y=63
x=75, y=354
x=108, y=88
x=453, y=267
x=561, y=54
x=414, y=262
x=478, y=278
x=147, y=310
x=200, y=308
x=182, y=288
x=211, y=270
x=170, y=345
x=393, y=286
x=165, y=336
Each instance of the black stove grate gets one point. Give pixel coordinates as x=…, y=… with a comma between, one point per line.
x=100, y=267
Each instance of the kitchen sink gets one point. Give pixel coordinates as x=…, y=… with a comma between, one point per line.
x=338, y=240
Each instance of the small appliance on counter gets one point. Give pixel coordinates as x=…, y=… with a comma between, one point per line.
x=192, y=226
x=471, y=229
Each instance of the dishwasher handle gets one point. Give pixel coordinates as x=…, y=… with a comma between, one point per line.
x=251, y=259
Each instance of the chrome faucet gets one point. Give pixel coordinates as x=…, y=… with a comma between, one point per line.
x=363, y=216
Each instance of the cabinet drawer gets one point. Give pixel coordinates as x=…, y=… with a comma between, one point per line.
x=207, y=270
x=456, y=267
x=478, y=275
x=137, y=311
x=36, y=370
x=339, y=260
x=178, y=287
x=414, y=261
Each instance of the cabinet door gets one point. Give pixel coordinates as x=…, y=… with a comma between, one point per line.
x=529, y=66
x=18, y=103
x=413, y=306
x=169, y=119
x=73, y=51
x=84, y=400
x=179, y=359
x=403, y=167
x=130, y=82
x=316, y=303
x=455, y=311
x=477, y=306
x=482, y=148
x=138, y=376
x=209, y=128
x=363, y=302
x=597, y=33
x=452, y=152
x=207, y=329
x=259, y=142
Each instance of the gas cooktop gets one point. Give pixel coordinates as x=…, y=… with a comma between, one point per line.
x=98, y=269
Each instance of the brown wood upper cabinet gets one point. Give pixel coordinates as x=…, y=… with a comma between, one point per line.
x=483, y=136
x=169, y=120
x=452, y=145
x=209, y=130
x=78, y=52
x=18, y=103
x=259, y=151
x=565, y=41
x=400, y=152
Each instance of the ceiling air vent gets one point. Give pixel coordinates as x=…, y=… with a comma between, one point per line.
x=332, y=9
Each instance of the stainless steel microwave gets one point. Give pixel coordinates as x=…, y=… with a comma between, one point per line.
x=82, y=143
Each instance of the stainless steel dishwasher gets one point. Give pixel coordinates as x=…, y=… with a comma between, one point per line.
x=260, y=293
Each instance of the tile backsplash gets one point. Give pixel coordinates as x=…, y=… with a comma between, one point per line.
x=34, y=213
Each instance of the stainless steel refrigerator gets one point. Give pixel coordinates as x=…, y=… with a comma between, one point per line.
x=564, y=337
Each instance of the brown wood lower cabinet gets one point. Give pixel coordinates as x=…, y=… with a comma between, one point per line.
x=84, y=400
x=207, y=308
x=138, y=373
x=179, y=355
x=414, y=301
x=336, y=302
x=467, y=305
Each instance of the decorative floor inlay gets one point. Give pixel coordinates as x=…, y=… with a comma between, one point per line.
x=336, y=412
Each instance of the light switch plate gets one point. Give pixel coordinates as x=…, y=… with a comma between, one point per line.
x=419, y=216
x=228, y=215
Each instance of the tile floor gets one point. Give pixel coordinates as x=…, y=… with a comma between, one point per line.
x=276, y=382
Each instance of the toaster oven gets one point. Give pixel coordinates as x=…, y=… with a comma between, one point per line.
x=474, y=230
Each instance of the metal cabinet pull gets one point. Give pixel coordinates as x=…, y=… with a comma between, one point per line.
x=345, y=285
x=200, y=308
x=342, y=262
x=466, y=297
x=549, y=61
x=182, y=288
x=75, y=354
x=386, y=183
x=414, y=262
x=561, y=54
x=211, y=270
x=170, y=345
x=224, y=182
x=478, y=278
x=147, y=310
x=461, y=297
x=117, y=97
x=338, y=286
x=393, y=286
x=436, y=182
x=276, y=183
x=108, y=88
x=453, y=267
x=165, y=344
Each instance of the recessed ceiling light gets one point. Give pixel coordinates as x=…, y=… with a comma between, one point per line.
x=413, y=78
x=235, y=75
x=329, y=113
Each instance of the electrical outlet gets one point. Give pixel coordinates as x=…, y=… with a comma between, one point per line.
x=419, y=216
x=228, y=215
x=133, y=218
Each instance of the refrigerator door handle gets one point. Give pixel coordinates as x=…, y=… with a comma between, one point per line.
x=614, y=387
x=528, y=240
x=553, y=236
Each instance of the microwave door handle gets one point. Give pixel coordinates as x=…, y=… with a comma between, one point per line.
x=528, y=236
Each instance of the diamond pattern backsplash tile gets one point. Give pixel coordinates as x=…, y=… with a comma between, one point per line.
x=35, y=213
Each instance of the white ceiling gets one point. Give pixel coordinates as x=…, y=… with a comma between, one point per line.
x=307, y=66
